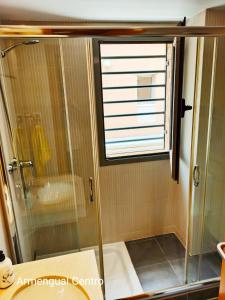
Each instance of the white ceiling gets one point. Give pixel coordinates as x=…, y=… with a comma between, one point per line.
x=118, y=10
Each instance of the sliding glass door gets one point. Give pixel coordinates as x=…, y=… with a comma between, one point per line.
x=207, y=223
x=47, y=145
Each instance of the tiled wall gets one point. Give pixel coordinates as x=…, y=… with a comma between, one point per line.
x=136, y=200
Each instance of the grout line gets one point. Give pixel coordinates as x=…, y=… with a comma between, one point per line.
x=178, y=236
x=168, y=261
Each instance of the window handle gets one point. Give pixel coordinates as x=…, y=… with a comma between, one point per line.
x=196, y=176
x=91, y=193
x=184, y=108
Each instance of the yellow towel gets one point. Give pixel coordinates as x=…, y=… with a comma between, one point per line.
x=21, y=148
x=21, y=144
x=41, y=150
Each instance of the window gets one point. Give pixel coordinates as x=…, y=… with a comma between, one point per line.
x=133, y=94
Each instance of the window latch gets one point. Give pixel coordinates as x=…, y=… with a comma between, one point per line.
x=184, y=108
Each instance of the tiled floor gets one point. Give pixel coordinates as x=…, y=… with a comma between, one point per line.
x=159, y=262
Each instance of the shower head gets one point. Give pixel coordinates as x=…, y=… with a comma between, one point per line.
x=27, y=42
x=30, y=42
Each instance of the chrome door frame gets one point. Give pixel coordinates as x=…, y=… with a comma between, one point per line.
x=115, y=29
x=12, y=239
x=101, y=29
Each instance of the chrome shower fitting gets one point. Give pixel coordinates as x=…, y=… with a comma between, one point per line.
x=27, y=42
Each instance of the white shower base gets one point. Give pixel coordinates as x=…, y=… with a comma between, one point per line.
x=121, y=279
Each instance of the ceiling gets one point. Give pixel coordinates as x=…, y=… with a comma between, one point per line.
x=102, y=10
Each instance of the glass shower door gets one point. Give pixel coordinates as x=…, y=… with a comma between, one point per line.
x=208, y=207
x=214, y=197
x=52, y=175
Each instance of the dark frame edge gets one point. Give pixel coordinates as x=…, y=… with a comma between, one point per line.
x=99, y=104
x=135, y=159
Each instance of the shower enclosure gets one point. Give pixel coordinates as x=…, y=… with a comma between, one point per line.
x=207, y=210
x=50, y=152
x=47, y=147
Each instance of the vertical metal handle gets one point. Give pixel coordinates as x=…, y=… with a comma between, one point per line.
x=91, y=193
x=196, y=176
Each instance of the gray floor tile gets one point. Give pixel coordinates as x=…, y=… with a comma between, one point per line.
x=145, y=252
x=214, y=261
x=178, y=268
x=159, y=263
x=206, y=270
x=171, y=246
x=157, y=276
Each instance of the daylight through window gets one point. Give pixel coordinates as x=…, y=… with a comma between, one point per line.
x=136, y=91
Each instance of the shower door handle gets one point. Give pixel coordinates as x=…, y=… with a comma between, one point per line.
x=221, y=249
x=196, y=176
x=91, y=193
